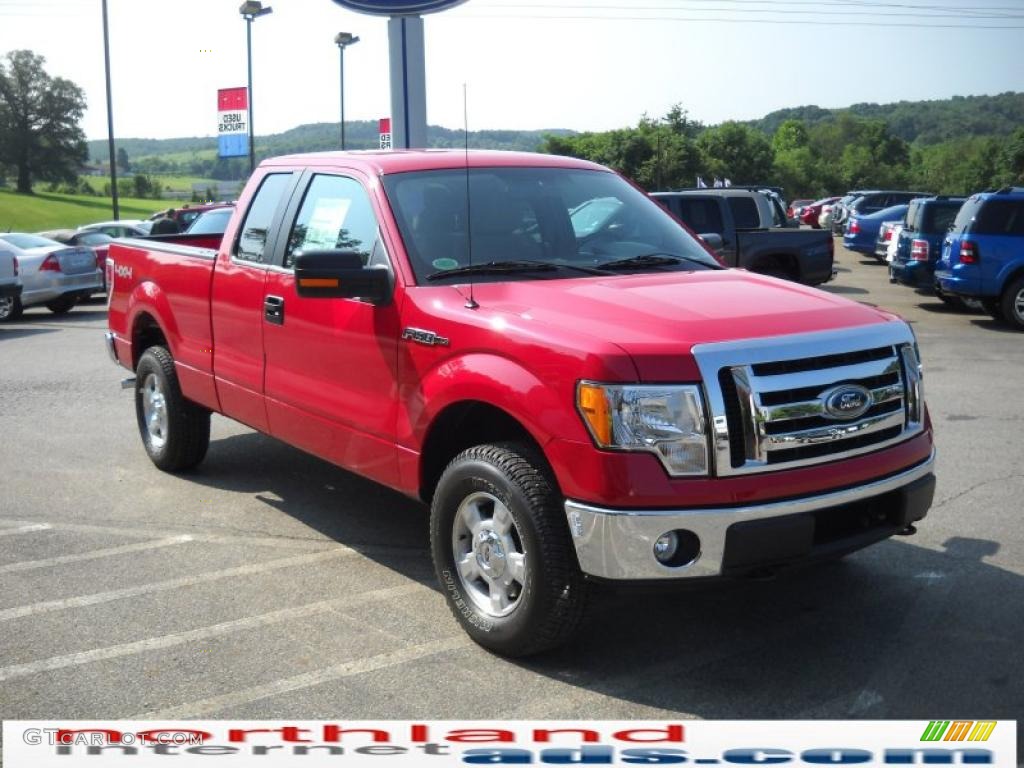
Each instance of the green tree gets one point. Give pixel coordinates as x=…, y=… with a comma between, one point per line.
x=737, y=152
x=123, y=163
x=40, y=134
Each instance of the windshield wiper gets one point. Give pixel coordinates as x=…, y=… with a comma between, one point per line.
x=520, y=265
x=652, y=260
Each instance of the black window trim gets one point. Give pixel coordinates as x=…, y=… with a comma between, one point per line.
x=275, y=220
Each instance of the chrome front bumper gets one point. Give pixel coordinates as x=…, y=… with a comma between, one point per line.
x=619, y=543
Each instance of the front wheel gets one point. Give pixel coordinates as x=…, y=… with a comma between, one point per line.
x=502, y=552
x=1012, y=302
x=175, y=431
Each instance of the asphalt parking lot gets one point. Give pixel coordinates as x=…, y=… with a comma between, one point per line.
x=270, y=584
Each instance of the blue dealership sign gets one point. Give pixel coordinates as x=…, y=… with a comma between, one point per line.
x=398, y=7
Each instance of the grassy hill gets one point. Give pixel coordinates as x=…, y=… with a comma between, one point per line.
x=46, y=210
x=922, y=122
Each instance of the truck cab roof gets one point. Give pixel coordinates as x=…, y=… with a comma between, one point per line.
x=382, y=162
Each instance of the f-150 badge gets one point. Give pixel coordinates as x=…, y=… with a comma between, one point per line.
x=421, y=336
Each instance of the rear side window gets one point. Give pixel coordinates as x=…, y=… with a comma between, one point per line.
x=966, y=215
x=913, y=214
x=253, y=244
x=1000, y=217
x=701, y=214
x=938, y=218
x=336, y=214
x=744, y=212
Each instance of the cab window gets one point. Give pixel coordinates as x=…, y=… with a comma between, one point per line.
x=336, y=214
x=253, y=243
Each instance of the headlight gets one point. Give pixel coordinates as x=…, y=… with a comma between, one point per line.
x=666, y=420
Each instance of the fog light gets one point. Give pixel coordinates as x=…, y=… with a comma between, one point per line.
x=678, y=548
x=666, y=546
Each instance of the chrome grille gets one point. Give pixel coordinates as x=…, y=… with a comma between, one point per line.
x=769, y=397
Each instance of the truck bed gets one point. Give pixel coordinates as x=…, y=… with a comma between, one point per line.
x=810, y=248
x=172, y=274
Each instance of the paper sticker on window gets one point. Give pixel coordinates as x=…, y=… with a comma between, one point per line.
x=324, y=228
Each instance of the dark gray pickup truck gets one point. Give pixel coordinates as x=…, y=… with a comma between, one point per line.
x=744, y=240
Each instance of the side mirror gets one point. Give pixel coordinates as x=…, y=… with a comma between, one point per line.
x=713, y=239
x=340, y=275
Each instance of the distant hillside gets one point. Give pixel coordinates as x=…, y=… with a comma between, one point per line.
x=922, y=122
x=317, y=137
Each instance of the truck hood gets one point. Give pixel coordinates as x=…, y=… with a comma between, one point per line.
x=657, y=317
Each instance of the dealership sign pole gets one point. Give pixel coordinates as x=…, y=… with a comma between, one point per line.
x=407, y=62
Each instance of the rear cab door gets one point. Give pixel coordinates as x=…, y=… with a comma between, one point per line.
x=239, y=292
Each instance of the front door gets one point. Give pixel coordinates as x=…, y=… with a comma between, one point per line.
x=331, y=364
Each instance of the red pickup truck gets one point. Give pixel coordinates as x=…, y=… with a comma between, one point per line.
x=547, y=358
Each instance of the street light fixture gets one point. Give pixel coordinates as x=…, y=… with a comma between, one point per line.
x=251, y=9
x=343, y=40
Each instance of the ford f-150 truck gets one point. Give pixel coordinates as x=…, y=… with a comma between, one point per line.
x=729, y=220
x=578, y=397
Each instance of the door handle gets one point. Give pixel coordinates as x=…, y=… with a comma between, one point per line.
x=273, y=310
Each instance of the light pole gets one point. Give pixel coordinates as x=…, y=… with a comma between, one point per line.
x=110, y=117
x=342, y=40
x=251, y=9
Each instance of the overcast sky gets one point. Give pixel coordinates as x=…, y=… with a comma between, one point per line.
x=532, y=64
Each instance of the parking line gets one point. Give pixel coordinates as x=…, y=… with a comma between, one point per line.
x=163, y=586
x=203, y=633
x=308, y=679
x=25, y=529
x=229, y=537
x=96, y=554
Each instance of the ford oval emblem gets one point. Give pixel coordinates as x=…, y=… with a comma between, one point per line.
x=397, y=7
x=847, y=401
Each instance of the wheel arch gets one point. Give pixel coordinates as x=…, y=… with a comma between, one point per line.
x=461, y=425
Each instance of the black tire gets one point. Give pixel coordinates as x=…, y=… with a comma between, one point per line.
x=953, y=302
x=179, y=436
x=994, y=307
x=61, y=305
x=549, y=603
x=1012, y=304
x=10, y=309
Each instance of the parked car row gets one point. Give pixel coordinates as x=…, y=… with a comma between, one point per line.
x=968, y=251
x=48, y=272
x=60, y=267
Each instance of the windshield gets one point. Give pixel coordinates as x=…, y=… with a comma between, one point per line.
x=94, y=238
x=211, y=223
x=552, y=217
x=28, y=241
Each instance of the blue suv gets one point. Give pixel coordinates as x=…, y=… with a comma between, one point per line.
x=919, y=244
x=983, y=254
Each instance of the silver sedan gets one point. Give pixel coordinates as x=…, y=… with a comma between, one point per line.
x=51, y=274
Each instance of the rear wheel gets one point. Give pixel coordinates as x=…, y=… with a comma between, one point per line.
x=1012, y=304
x=994, y=307
x=502, y=550
x=953, y=302
x=10, y=309
x=174, y=430
x=61, y=305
